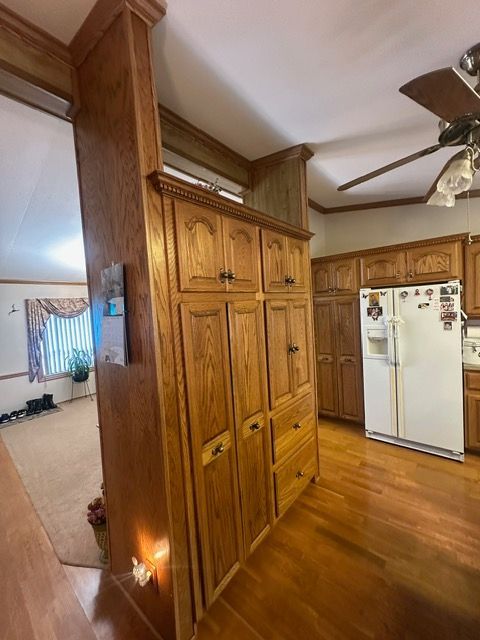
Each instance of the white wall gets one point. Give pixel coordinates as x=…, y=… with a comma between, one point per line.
x=13, y=346
x=350, y=231
x=316, y=224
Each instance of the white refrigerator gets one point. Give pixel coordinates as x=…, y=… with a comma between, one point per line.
x=412, y=367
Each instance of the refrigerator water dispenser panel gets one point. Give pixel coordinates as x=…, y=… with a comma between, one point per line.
x=377, y=342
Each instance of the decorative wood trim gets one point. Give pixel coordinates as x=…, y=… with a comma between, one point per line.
x=301, y=151
x=380, y=204
x=55, y=282
x=30, y=93
x=230, y=165
x=391, y=247
x=316, y=206
x=33, y=35
x=101, y=17
x=164, y=183
x=9, y=376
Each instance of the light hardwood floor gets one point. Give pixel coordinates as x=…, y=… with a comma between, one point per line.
x=385, y=547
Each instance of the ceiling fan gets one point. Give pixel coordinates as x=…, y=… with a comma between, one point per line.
x=446, y=94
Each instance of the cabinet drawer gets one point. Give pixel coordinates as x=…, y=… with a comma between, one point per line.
x=291, y=426
x=292, y=478
x=472, y=380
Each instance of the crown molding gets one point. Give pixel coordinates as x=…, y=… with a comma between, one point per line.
x=33, y=35
x=103, y=13
x=301, y=151
x=174, y=187
x=380, y=204
x=394, y=247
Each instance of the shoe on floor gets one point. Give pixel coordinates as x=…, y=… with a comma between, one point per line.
x=21, y=414
x=4, y=418
x=30, y=407
x=13, y=415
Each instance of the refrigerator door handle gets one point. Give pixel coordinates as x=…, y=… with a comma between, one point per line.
x=391, y=341
x=397, y=321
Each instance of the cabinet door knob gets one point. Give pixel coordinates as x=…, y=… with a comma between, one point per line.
x=349, y=360
x=224, y=275
x=299, y=475
x=255, y=426
x=220, y=448
x=397, y=275
x=296, y=426
x=410, y=274
x=231, y=276
x=293, y=348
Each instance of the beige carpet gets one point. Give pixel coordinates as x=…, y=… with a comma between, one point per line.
x=58, y=459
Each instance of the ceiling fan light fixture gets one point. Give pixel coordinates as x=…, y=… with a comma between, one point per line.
x=458, y=176
x=441, y=199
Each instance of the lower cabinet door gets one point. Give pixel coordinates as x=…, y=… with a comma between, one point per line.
x=472, y=419
x=327, y=389
x=350, y=390
x=212, y=434
x=247, y=348
x=255, y=483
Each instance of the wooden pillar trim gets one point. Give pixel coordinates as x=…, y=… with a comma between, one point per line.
x=101, y=17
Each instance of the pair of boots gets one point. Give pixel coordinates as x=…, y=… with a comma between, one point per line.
x=41, y=404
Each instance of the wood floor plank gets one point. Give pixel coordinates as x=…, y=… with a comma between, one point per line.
x=37, y=601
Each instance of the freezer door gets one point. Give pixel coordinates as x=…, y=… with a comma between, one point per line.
x=429, y=365
x=376, y=310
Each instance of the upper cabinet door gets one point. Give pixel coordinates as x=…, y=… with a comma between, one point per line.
x=321, y=278
x=209, y=393
x=279, y=359
x=435, y=262
x=200, y=245
x=472, y=279
x=301, y=349
x=242, y=254
x=275, y=261
x=344, y=275
x=298, y=264
x=383, y=268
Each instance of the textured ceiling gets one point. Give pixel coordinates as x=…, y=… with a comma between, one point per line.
x=40, y=226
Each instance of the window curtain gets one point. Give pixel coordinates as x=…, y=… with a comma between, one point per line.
x=39, y=311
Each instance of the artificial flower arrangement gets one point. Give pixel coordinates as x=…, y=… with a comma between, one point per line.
x=97, y=517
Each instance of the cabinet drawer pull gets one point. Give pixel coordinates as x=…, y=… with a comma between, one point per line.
x=220, y=448
x=397, y=275
x=255, y=426
x=299, y=475
x=293, y=348
x=296, y=426
x=410, y=274
x=324, y=359
x=349, y=360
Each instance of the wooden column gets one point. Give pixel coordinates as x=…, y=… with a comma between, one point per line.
x=278, y=185
x=118, y=145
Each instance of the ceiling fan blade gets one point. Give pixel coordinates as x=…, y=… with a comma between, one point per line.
x=390, y=167
x=443, y=92
x=433, y=188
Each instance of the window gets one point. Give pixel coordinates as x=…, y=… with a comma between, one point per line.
x=60, y=337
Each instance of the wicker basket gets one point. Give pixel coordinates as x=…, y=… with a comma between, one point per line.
x=101, y=536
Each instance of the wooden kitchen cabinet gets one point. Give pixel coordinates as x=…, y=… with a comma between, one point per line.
x=218, y=253
x=472, y=410
x=289, y=345
x=337, y=277
x=382, y=269
x=249, y=398
x=339, y=363
x=209, y=391
x=324, y=323
x=286, y=263
x=472, y=279
x=435, y=262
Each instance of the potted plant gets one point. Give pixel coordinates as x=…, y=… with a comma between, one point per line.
x=78, y=365
x=97, y=517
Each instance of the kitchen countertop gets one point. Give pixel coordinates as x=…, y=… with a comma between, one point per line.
x=471, y=367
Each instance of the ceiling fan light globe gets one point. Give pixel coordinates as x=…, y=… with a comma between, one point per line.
x=457, y=178
x=441, y=199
